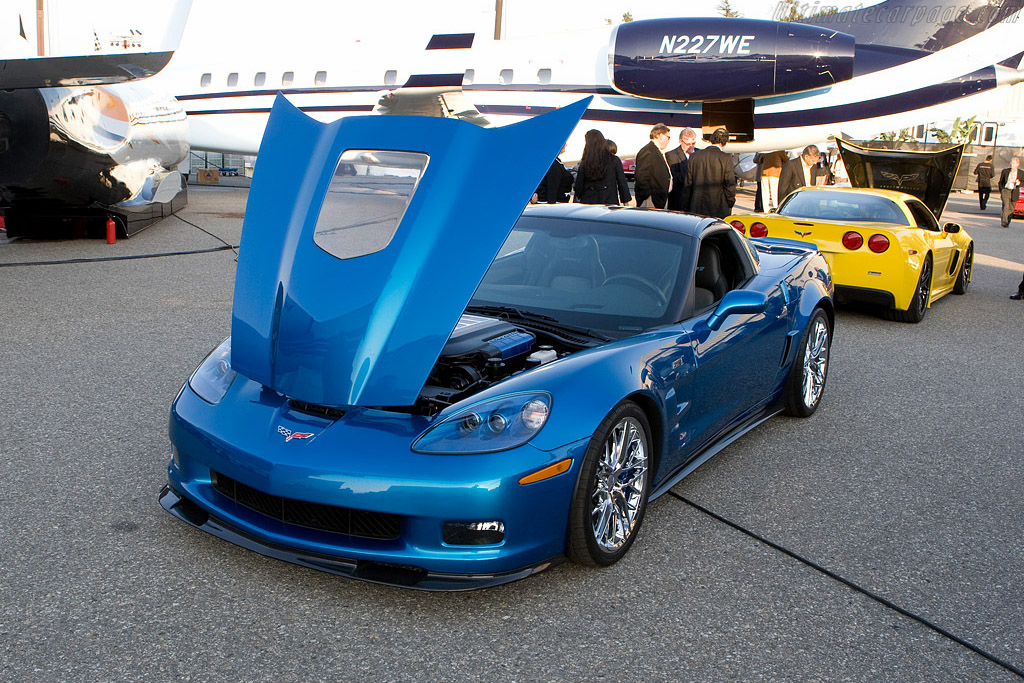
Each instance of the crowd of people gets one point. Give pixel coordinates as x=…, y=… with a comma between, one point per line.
x=703, y=181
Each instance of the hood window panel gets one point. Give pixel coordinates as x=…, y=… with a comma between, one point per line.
x=367, y=197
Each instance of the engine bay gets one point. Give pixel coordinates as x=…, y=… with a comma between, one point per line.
x=482, y=351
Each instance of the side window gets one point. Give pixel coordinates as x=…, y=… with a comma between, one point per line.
x=723, y=264
x=923, y=216
x=260, y=78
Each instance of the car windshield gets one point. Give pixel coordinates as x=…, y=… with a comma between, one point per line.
x=615, y=279
x=837, y=205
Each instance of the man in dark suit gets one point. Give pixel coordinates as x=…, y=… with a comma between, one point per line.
x=1010, y=181
x=984, y=171
x=677, y=160
x=710, y=179
x=802, y=172
x=652, y=175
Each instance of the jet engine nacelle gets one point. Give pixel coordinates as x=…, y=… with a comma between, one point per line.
x=76, y=155
x=725, y=59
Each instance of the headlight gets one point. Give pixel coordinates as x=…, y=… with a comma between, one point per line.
x=214, y=375
x=496, y=424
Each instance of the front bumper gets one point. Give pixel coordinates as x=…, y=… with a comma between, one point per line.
x=364, y=570
x=361, y=464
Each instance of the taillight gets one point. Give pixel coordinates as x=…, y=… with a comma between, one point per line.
x=739, y=226
x=758, y=230
x=853, y=240
x=878, y=243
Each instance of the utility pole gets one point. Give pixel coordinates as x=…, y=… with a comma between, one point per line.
x=40, y=34
x=499, y=7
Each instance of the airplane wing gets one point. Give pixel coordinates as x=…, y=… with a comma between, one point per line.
x=432, y=95
x=88, y=69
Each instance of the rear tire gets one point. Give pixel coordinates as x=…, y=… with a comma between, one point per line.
x=611, y=494
x=966, y=269
x=807, y=377
x=919, y=304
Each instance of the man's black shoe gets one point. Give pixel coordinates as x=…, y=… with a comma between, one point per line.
x=1017, y=297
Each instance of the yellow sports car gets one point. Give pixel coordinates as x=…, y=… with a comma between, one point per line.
x=882, y=237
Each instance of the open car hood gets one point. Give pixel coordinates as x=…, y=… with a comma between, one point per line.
x=364, y=240
x=926, y=175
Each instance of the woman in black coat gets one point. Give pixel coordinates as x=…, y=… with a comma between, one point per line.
x=599, y=176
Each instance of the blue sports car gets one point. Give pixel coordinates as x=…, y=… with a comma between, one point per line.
x=427, y=386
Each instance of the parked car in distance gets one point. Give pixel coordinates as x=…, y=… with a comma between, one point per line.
x=885, y=247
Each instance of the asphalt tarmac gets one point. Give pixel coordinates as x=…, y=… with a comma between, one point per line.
x=903, y=499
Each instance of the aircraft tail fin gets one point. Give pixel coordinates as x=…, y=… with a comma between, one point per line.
x=1014, y=62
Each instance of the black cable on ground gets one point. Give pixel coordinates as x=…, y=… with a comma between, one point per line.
x=100, y=259
x=877, y=598
x=216, y=237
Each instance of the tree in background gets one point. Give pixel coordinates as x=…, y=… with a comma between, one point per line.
x=959, y=132
x=893, y=138
x=726, y=10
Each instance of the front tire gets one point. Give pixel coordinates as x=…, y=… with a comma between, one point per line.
x=611, y=494
x=966, y=269
x=807, y=377
x=919, y=304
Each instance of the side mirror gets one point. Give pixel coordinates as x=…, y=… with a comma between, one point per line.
x=773, y=210
x=735, y=302
x=951, y=228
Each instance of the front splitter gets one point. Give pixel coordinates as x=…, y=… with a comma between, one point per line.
x=387, y=573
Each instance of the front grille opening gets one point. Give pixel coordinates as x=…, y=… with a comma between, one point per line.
x=339, y=520
x=314, y=409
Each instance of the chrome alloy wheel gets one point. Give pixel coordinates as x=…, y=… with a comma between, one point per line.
x=815, y=362
x=621, y=482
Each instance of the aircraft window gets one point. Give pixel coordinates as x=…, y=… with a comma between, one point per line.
x=544, y=76
x=320, y=78
x=467, y=79
x=990, y=133
x=390, y=77
x=260, y=79
x=205, y=80
x=232, y=80
x=505, y=77
x=973, y=136
x=287, y=78
x=365, y=202
x=920, y=132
